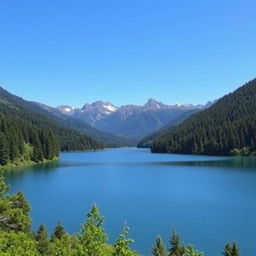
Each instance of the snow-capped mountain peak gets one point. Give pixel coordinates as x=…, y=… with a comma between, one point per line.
x=98, y=112
x=110, y=107
x=65, y=109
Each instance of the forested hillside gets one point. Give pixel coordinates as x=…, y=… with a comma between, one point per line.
x=62, y=120
x=28, y=136
x=148, y=140
x=226, y=128
x=21, y=142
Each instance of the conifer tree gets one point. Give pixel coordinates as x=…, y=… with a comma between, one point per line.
x=4, y=150
x=231, y=250
x=58, y=233
x=93, y=237
x=159, y=248
x=43, y=243
x=38, y=151
x=176, y=248
x=19, y=201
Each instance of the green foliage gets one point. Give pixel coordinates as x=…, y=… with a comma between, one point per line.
x=121, y=246
x=92, y=237
x=231, y=250
x=159, y=248
x=148, y=140
x=226, y=128
x=3, y=187
x=190, y=251
x=176, y=248
x=4, y=149
x=42, y=241
x=14, y=211
x=27, y=133
x=58, y=233
x=64, y=246
x=22, y=141
x=17, y=244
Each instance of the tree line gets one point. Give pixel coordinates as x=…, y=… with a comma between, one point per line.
x=226, y=128
x=20, y=142
x=17, y=237
x=28, y=136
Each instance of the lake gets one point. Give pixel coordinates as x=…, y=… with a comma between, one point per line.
x=209, y=200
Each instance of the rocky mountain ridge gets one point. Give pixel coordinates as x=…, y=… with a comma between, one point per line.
x=130, y=120
x=96, y=111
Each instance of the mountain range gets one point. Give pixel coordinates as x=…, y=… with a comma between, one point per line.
x=130, y=121
x=114, y=126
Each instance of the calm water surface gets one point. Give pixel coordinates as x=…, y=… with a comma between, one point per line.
x=208, y=200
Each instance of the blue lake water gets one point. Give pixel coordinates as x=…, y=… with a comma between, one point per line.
x=208, y=200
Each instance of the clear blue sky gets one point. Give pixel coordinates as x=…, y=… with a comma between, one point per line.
x=126, y=51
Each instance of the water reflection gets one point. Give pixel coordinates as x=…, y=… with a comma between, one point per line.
x=18, y=172
x=233, y=162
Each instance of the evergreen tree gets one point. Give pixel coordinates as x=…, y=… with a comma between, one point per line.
x=58, y=233
x=159, y=248
x=4, y=150
x=19, y=201
x=176, y=248
x=121, y=246
x=92, y=237
x=43, y=244
x=38, y=150
x=231, y=250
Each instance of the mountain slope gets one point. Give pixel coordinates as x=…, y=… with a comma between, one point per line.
x=138, y=125
x=226, y=128
x=21, y=141
x=64, y=120
x=148, y=140
x=26, y=117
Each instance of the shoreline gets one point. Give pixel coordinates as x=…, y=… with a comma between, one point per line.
x=27, y=163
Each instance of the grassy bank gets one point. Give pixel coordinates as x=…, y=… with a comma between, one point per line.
x=24, y=163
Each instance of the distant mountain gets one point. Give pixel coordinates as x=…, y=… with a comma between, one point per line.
x=90, y=113
x=130, y=121
x=226, y=128
x=67, y=119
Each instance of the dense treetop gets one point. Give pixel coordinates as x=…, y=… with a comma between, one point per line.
x=226, y=128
